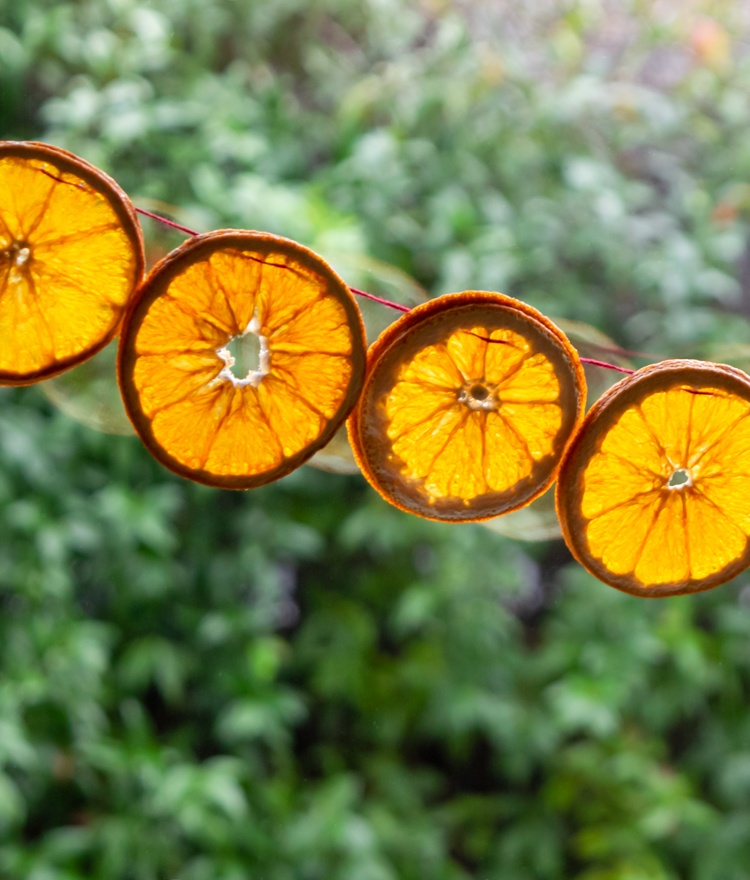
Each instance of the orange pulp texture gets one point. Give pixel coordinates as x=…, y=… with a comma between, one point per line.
x=468, y=404
x=654, y=491
x=197, y=408
x=71, y=254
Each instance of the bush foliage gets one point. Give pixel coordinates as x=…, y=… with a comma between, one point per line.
x=299, y=682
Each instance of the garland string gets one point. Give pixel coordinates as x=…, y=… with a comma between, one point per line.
x=362, y=293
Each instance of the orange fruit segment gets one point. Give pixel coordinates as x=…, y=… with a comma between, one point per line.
x=467, y=406
x=71, y=255
x=240, y=356
x=654, y=491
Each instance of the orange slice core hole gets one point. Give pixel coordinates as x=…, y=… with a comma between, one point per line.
x=478, y=395
x=680, y=478
x=17, y=254
x=246, y=356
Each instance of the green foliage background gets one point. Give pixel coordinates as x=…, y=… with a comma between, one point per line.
x=300, y=682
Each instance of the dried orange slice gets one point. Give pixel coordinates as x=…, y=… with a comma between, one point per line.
x=468, y=403
x=71, y=254
x=654, y=491
x=538, y=521
x=240, y=356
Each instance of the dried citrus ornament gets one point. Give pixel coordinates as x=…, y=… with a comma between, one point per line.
x=240, y=356
x=467, y=406
x=71, y=255
x=538, y=521
x=654, y=491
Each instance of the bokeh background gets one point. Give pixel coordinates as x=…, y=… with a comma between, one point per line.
x=301, y=683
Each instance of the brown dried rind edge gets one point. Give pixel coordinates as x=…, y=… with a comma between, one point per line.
x=407, y=323
x=610, y=406
x=99, y=180
x=159, y=278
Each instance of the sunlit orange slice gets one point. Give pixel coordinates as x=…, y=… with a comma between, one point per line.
x=467, y=406
x=71, y=254
x=654, y=491
x=538, y=521
x=240, y=356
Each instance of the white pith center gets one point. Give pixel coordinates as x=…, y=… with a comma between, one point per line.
x=253, y=376
x=18, y=255
x=680, y=478
x=478, y=395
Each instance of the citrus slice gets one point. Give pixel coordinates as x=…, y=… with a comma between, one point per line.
x=654, y=490
x=240, y=356
x=468, y=403
x=71, y=254
x=538, y=521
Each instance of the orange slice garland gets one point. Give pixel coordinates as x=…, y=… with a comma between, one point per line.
x=467, y=406
x=654, y=491
x=71, y=254
x=240, y=356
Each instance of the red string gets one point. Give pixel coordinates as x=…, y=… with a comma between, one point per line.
x=379, y=299
x=166, y=222
x=371, y=296
x=607, y=366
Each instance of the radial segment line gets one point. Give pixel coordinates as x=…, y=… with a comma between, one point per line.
x=624, y=503
x=212, y=389
x=451, y=434
x=726, y=430
x=56, y=275
x=522, y=440
x=298, y=394
x=72, y=237
x=647, y=533
x=297, y=271
x=42, y=210
x=651, y=431
x=716, y=507
x=319, y=297
x=5, y=228
x=274, y=433
x=530, y=402
x=214, y=435
x=639, y=468
x=683, y=502
x=216, y=283
x=518, y=366
x=721, y=475
x=281, y=349
x=431, y=386
x=198, y=317
x=180, y=349
x=35, y=304
x=485, y=464
x=4, y=282
x=442, y=347
x=689, y=432
x=441, y=407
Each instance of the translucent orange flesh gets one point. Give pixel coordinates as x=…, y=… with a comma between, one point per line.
x=636, y=523
x=67, y=266
x=467, y=416
x=203, y=415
